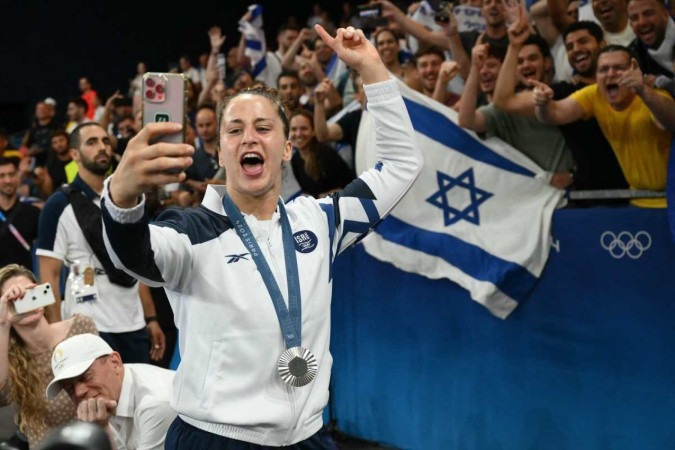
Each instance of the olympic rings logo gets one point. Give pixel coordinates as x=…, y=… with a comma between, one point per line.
x=625, y=244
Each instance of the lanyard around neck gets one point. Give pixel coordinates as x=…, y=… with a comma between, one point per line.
x=290, y=319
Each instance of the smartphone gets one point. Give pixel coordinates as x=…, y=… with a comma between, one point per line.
x=370, y=10
x=443, y=12
x=37, y=297
x=164, y=99
x=371, y=16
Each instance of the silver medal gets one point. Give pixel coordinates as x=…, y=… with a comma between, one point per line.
x=297, y=366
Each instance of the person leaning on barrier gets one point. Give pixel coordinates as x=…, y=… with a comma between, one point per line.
x=231, y=267
x=130, y=401
x=636, y=119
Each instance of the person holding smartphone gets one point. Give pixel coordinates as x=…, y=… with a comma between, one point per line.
x=248, y=276
x=26, y=344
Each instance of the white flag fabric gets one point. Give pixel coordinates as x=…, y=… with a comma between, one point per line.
x=424, y=14
x=254, y=34
x=479, y=214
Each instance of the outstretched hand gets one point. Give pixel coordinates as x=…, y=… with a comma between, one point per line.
x=633, y=78
x=519, y=30
x=352, y=46
x=216, y=38
x=541, y=92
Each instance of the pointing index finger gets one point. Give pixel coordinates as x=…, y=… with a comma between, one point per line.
x=323, y=34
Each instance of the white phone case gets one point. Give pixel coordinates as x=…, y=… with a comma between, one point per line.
x=35, y=298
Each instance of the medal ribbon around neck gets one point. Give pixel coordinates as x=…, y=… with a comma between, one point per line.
x=289, y=318
x=297, y=366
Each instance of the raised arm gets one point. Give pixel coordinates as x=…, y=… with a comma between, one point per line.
x=289, y=57
x=662, y=107
x=469, y=117
x=159, y=254
x=448, y=71
x=324, y=131
x=368, y=199
x=217, y=39
x=557, y=10
x=356, y=51
x=108, y=110
x=558, y=112
x=414, y=28
x=505, y=96
x=542, y=21
x=451, y=30
x=7, y=318
x=146, y=165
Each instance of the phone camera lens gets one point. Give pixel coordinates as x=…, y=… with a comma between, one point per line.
x=150, y=94
x=159, y=89
x=150, y=82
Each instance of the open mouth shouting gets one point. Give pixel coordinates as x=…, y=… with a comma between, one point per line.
x=252, y=163
x=612, y=90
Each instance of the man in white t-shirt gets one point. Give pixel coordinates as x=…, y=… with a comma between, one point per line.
x=130, y=401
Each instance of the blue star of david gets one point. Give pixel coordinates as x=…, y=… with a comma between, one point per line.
x=466, y=181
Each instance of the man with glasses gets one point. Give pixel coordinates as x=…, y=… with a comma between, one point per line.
x=636, y=119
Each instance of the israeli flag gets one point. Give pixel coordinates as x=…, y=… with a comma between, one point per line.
x=424, y=14
x=254, y=34
x=335, y=69
x=479, y=214
x=343, y=148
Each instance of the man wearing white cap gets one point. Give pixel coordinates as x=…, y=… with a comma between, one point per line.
x=130, y=401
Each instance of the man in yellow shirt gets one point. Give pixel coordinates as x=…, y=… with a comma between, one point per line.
x=637, y=120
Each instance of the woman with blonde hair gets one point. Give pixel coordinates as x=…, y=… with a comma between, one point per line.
x=26, y=344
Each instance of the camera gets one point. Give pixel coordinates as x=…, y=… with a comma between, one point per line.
x=443, y=12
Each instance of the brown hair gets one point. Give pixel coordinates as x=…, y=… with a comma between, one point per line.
x=270, y=94
x=26, y=387
x=312, y=165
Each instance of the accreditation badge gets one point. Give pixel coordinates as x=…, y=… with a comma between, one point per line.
x=297, y=367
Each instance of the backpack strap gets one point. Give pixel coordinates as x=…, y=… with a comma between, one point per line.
x=88, y=217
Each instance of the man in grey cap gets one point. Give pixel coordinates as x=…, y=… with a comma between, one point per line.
x=130, y=401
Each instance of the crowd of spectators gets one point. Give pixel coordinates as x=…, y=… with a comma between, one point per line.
x=584, y=90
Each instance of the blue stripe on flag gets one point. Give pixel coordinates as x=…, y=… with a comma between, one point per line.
x=670, y=189
x=259, y=67
x=257, y=11
x=436, y=126
x=253, y=45
x=512, y=279
x=331, y=65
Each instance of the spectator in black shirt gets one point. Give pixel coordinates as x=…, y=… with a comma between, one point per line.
x=18, y=221
x=317, y=167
